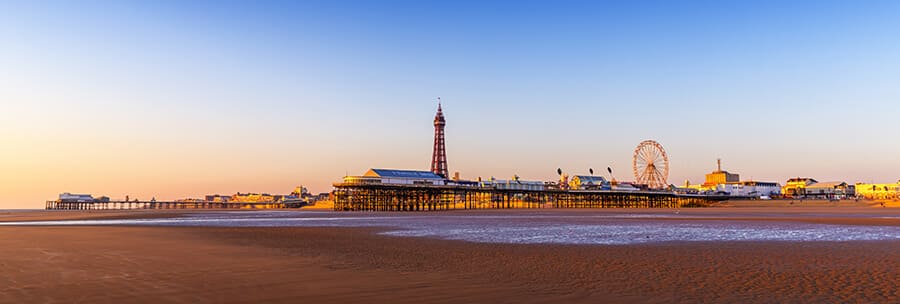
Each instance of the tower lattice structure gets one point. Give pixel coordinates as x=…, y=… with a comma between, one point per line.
x=439, y=157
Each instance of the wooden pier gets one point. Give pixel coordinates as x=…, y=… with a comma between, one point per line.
x=384, y=197
x=125, y=205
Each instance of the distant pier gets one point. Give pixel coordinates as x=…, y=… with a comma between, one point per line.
x=390, y=197
x=126, y=205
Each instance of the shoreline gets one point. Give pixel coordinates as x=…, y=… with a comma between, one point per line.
x=813, y=215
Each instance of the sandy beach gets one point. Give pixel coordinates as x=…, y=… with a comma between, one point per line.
x=127, y=264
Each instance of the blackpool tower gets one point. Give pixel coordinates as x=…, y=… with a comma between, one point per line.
x=439, y=157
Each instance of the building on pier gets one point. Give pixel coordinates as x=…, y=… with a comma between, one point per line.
x=683, y=190
x=513, y=184
x=396, y=177
x=463, y=183
x=67, y=197
x=588, y=182
x=625, y=186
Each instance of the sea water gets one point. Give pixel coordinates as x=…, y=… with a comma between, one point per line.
x=528, y=228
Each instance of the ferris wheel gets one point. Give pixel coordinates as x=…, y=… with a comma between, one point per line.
x=651, y=165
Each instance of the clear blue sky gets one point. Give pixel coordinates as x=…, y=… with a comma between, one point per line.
x=184, y=98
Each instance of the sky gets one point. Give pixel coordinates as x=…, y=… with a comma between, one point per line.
x=174, y=99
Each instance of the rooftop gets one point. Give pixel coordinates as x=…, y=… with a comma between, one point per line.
x=801, y=179
x=395, y=173
x=827, y=185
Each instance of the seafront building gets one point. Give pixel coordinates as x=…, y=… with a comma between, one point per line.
x=878, y=191
x=254, y=197
x=805, y=187
x=720, y=177
x=727, y=183
x=299, y=193
x=797, y=186
x=750, y=189
x=829, y=190
x=217, y=198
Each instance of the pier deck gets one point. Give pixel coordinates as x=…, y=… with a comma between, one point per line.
x=123, y=205
x=383, y=197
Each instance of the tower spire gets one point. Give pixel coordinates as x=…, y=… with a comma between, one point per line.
x=439, y=157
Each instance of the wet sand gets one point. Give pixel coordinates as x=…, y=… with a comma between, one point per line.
x=60, y=215
x=808, y=203
x=352, y=265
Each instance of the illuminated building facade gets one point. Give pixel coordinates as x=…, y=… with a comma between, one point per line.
x=720, y=176
x=878, y=191
x=797, y=186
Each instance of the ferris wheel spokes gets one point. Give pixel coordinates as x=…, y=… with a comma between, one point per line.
x=651, y=164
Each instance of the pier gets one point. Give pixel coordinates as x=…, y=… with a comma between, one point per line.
x=126, y=205
x=387, y=197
